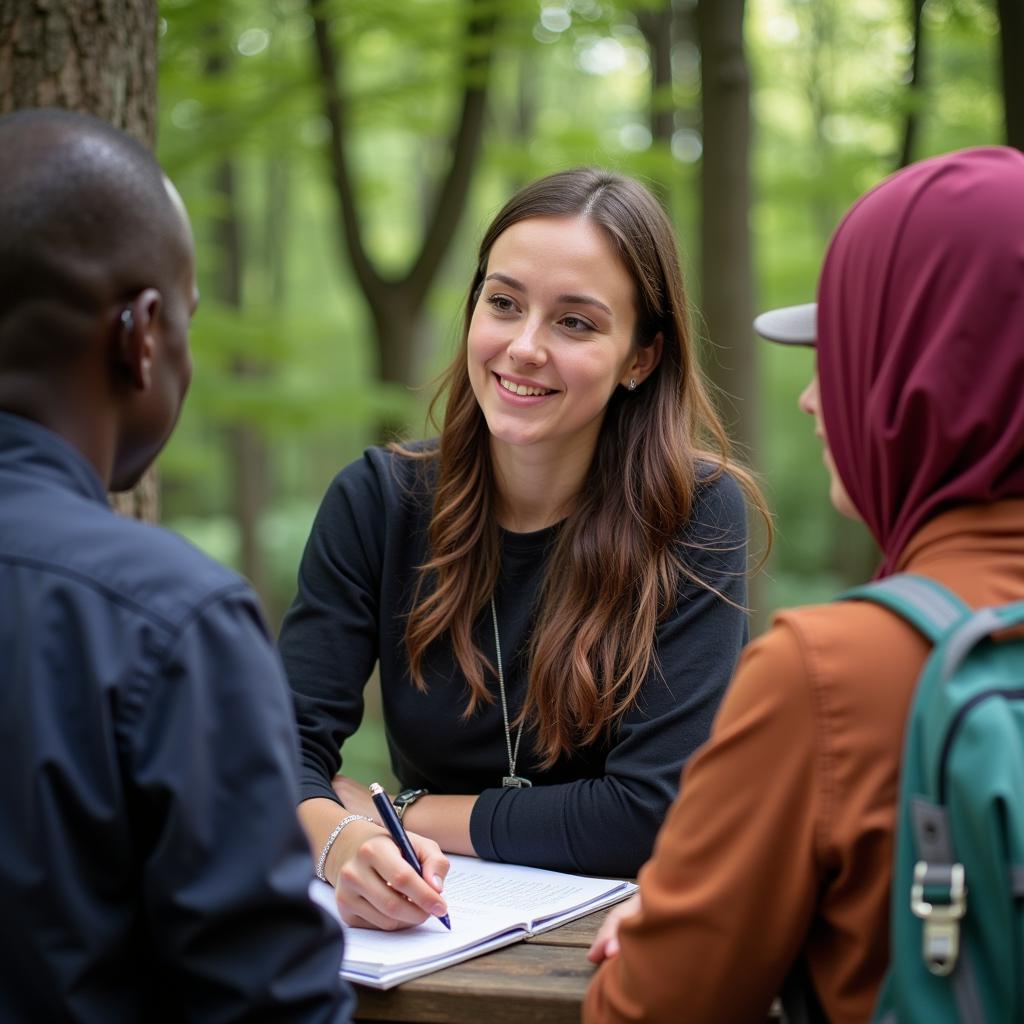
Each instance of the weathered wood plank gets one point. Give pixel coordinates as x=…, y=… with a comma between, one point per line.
x=526, y=982
x=580, y=932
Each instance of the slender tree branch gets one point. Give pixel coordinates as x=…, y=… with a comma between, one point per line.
x=335, y=109
x=451, y=197
x=396, y=303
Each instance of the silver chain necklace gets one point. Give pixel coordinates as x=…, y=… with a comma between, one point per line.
x=511, y=780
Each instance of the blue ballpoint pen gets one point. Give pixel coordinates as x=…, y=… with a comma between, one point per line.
x=394, y=826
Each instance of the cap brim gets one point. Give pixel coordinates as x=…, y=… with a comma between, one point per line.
x=791, y=325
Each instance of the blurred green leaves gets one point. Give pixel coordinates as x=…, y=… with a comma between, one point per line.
x=294, y=362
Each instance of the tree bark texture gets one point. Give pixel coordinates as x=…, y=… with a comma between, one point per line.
x=1011, y=40
x=396, y=304
x=725, y=260
x=96, y=57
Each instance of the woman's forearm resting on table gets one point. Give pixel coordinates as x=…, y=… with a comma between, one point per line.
x=443, y=818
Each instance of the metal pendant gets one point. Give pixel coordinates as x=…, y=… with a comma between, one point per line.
x=515, y=782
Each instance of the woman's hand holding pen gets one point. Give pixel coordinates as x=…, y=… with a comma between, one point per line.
x=374, y=886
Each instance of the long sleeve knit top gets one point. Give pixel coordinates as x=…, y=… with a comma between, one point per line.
x=597, y=810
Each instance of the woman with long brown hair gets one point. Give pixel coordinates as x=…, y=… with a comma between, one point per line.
x=553, y=589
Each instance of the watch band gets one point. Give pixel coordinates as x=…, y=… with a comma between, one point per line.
x=406, y=799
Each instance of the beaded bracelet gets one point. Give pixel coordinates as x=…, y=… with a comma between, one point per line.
x=338, y=829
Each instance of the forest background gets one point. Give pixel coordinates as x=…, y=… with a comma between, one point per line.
x=340, y=159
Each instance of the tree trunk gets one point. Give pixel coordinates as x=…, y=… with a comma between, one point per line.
x=275, y=234
x=249, y=457
x=726, y=275
x=852, y=553
x=93, y=56
x=96, y=57
x=247, y=452
x=1011, y=39
x=656, y=26
x=522, y=117
x=819, y=27
x=915, y=85
x=725, y=262
x=246, y=449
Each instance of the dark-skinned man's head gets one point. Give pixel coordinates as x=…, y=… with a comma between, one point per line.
x=97, y=288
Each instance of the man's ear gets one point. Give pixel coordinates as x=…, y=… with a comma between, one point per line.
x=645, y=360
x=136, y=344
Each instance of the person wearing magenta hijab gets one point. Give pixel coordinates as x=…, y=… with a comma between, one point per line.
x=775, y=861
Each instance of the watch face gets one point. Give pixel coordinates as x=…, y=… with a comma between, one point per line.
x=407, y=796
x=405, y=799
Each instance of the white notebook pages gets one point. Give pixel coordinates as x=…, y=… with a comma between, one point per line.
x=489, y=904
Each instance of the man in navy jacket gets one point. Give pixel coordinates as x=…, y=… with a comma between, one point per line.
x=151, y=864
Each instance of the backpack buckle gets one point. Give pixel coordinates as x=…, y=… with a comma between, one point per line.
x=941, y=912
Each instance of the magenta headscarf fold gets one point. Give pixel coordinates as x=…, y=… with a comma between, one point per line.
x=921, y=342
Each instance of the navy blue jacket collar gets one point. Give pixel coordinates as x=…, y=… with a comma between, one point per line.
x=27, y=447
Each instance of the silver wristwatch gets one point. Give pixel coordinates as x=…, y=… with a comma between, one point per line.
x=406, y=799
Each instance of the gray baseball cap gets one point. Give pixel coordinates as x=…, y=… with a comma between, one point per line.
x=790, y=325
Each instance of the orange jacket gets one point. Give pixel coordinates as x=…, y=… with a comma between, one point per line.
x=780, y=843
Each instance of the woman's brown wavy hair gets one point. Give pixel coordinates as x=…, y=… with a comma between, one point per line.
x=614, y=570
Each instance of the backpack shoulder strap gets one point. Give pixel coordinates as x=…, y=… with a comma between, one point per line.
x=928, y=606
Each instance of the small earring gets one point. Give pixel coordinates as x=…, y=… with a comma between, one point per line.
x=632, y=383
x=128, y=320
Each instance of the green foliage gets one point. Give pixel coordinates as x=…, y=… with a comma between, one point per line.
x=295, y=363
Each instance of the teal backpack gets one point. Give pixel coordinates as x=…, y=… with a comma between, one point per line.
x=957, y=911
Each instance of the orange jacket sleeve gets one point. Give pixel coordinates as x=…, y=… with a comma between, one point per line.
x=731, y=886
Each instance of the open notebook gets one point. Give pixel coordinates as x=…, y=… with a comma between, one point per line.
x=490, y=905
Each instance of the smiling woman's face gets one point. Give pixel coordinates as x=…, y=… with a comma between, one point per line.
x=552, y=334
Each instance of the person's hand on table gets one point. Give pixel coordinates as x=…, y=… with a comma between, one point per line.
x=374, y=886
x=606, y=944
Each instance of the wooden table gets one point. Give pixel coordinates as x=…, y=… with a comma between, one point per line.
x=539, y=981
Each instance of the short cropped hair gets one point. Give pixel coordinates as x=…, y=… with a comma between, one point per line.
x=85, y=221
